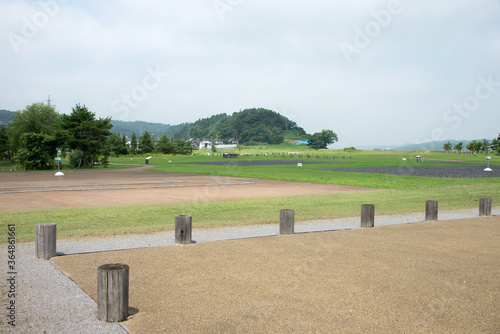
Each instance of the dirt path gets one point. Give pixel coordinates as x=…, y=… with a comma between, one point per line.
x=41, y=190
x=432, y=277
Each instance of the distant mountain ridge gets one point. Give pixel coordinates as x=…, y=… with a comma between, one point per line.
x=6, y=116
x=139, y=127
x=122, y=127
x=180, y=131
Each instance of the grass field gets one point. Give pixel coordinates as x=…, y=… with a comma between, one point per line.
x=391, y=194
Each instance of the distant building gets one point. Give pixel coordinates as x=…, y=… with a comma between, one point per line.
x=205, y=145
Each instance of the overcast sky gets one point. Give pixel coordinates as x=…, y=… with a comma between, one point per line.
x=375, y=72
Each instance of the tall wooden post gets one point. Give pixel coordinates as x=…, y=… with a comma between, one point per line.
x=431, y=210
x=287, y=218
x=45, y=240
x=183, y=225
x=367, y=215
x=112, y=292
x=485, y=206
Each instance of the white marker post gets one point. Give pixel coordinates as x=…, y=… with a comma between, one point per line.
x=58, y=159
x=488, y=169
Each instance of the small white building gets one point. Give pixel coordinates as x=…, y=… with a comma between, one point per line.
x=205, y=145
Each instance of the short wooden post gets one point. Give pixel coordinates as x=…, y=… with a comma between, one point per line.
x=287, y=219
x=485, y=206
x=431, y=210
x=112, y=292
x=183, y=225
x=45, y=240
x=367, y=215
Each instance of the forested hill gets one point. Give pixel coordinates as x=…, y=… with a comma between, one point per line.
x=247, y=126
x=6, y=116
x=156, y=129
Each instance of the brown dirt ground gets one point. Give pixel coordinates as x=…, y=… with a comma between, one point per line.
x=43, y=190
x=431, y=277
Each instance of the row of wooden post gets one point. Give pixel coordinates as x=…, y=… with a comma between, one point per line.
x=113, y=279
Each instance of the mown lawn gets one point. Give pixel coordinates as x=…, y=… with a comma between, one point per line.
x=391, y=194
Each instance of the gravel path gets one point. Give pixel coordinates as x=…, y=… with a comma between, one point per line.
x=47, y=301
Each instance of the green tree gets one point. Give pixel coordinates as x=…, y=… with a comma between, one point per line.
x=35, y=118
x=486, y=146
x=495, y=145
x=117, y=145
x=475, y=146
x=146, y=144
x=86, y=133
x=447, y=147
x=459, y=147
x=37, y=151
x=323, y=139
x=5, y=152
x=165, y=145
x=183, y=147
x=133, y=144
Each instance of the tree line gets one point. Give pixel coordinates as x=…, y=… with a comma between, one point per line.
x=35, y=133
x=475, y=146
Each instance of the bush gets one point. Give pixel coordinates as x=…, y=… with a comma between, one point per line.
x=75, y=158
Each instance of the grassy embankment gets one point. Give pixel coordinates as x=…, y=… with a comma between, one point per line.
x=391, y=193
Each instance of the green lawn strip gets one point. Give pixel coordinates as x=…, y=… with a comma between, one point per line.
x=138, y=219
x=311, y=173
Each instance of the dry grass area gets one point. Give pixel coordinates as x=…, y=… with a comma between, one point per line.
x=432, y=277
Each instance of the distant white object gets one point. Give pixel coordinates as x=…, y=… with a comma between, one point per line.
x=131, y=158
x=149, y=157
x=170, y=161
x=299, y=164
x=59, y=174
x=404, y=159
x=488, y=169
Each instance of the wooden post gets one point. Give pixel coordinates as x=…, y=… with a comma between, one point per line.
x=431, y=210
x=485, y=206
x=287, y=217
x=112, y=292
x=183, y=225
x=367, y=215
x=45, y=240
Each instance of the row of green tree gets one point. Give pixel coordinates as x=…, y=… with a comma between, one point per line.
x=35, y=133
x=475, y=146
x=257, y=125
x=119, y=145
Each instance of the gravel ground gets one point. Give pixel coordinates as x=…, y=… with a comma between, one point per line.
x=440, y=172
x=48, y=301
